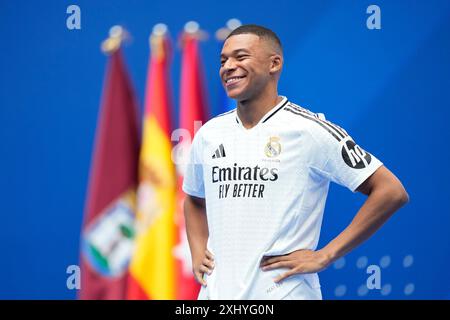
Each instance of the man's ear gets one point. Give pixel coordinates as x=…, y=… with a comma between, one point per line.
x=276, y=63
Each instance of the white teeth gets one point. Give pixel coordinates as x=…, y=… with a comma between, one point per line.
x=234, y=79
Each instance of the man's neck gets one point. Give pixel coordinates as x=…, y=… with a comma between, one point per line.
x=251, y=111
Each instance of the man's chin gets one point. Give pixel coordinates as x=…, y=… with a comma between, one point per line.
x=238, y=96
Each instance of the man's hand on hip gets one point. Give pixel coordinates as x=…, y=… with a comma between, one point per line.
x=204, y=265
x=300, y=261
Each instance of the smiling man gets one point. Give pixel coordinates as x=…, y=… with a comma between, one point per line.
x=257, y=183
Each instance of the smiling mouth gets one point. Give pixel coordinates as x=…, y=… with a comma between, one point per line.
x=232, y=80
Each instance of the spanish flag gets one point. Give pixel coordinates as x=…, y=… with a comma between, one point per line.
x=152, y=268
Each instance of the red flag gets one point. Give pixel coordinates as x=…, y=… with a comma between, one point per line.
x=193, y=110
x=108, y=228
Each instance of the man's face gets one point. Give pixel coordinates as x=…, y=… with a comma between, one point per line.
x=245, y=64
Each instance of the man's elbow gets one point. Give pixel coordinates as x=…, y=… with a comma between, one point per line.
x=388, y=187
x=398, y=195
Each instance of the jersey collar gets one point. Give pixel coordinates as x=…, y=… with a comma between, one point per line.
x=268, y=115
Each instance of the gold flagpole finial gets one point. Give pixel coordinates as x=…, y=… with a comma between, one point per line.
x=156, y=39
x=117, y=35
x=192, y=29
x=223, y=33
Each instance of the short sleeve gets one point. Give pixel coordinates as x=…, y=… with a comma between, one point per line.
x=345, y=162
x=193, y=183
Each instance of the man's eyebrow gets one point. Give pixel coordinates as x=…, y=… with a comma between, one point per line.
x=236, y=52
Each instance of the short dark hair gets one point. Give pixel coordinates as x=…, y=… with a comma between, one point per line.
x=260, y=31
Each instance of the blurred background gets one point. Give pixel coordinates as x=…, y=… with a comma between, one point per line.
x=388, y=87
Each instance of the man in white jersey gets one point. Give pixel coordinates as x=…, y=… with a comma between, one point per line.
x=257, y=182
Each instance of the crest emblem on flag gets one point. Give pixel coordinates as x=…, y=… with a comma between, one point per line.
x=108, y=241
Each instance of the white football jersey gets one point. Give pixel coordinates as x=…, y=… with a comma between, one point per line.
x=265, y=190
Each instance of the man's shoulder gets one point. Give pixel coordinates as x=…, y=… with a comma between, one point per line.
x=219, y=122
x=227, y=113
x=301, y=117
x=302, y=112
x=315, y=122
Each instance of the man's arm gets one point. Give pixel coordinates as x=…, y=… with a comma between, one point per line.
x=197, y=234
x=386, y=195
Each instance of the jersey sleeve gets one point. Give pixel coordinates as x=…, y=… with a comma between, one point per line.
x=193, y=183
x=343, y=160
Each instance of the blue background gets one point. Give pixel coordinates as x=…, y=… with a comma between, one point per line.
x=389, y=88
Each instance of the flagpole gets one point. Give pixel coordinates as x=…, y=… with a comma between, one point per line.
x=117, y=36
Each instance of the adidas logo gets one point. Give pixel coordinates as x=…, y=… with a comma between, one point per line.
x=220, y=152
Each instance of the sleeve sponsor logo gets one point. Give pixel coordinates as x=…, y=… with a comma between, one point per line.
x=354, y=156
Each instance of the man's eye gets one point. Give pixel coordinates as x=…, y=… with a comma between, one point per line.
x=241, y=57
x=222, y=62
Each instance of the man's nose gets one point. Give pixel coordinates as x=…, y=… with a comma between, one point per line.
x=229, y=65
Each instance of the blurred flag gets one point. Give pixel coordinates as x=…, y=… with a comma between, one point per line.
x=108, y=228
x=193, y=113
x=153, y=269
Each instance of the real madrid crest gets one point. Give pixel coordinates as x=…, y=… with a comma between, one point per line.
x=273, y=147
